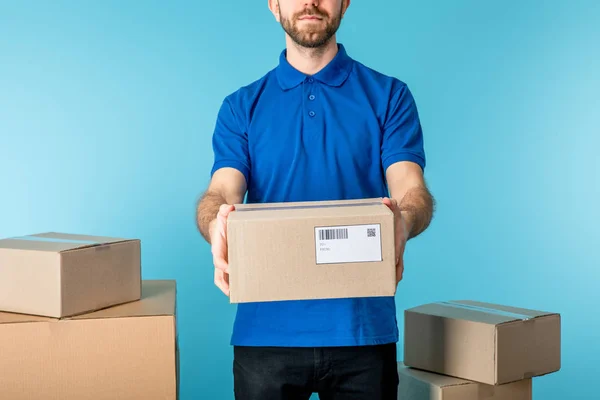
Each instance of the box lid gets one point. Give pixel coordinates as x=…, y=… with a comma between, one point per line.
x=308, y=209
x=158, y=299
x=57, y=242
x=476, y=311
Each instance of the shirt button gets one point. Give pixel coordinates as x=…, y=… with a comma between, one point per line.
x=311, y=97
x=311, y=80
x=311, y=113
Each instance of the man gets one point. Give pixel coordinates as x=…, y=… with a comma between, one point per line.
x=319, y=126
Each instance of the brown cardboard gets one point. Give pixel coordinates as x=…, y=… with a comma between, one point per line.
x=58, y=275
x=482, y=342
x=275, y=251
x=124, y=352
x=422, y=385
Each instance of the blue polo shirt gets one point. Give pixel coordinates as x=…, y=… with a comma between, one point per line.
x=326, y=136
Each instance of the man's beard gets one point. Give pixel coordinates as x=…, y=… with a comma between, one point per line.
x=311, y=37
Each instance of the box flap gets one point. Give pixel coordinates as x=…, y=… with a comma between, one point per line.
x=158, y=298
x=518, y=313
x=56, y=242
x=486, y=313
x=434, y=379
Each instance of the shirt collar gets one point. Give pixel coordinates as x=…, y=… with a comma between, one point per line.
x=334, y=74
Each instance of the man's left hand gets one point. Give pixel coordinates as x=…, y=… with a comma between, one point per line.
x=401, y=235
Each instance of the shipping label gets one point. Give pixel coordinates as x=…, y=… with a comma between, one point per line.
x=348, y=244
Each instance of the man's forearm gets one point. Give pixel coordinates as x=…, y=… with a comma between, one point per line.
x=207, y=210
x=417, y=207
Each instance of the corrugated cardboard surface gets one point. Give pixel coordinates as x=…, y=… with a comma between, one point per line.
x=126, y=352
x=58, y=275
x=422, y=385
x=482, y=342
x=311, y=250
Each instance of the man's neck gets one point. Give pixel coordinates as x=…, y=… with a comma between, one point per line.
x=311, y=61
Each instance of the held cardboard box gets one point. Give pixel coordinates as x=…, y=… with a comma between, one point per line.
x=422, y=385
x=311, y=250
x=482, y=342
x=124, y=352
x=59, y=275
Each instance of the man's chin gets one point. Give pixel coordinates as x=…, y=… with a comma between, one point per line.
x=312, y=41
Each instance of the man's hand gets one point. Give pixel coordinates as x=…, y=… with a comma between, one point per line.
x=218, y=240
x=227, y=187
x=411, y=203
x=401, y=230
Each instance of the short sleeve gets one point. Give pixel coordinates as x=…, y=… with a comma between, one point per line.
x=402, y=132
x=230, y=142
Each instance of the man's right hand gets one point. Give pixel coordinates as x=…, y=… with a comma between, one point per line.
x=218, y=240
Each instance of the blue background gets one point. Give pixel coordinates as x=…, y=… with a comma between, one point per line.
x=107, y=110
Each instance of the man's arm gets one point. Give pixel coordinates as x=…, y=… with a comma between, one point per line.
x=227, y=186
x=408, y=188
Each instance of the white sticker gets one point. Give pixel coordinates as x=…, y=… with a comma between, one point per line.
x=348, y=244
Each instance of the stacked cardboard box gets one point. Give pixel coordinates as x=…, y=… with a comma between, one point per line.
x=78, y=322
x=471, y=350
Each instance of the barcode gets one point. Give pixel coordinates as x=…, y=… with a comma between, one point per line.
x=331, y=234
x=371, y=232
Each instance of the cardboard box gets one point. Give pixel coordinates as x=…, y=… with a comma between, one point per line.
x=59, y=275
x=311, y=250
x=125, y=352
x=482, y=342
x=421, y=385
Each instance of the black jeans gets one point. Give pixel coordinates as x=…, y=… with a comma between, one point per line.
x=335, y=373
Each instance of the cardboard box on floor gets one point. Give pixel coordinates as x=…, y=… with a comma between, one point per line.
x=311, y=250
x=422, y=385
x=128, y=351
x=482, y=342
x=59, y=275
